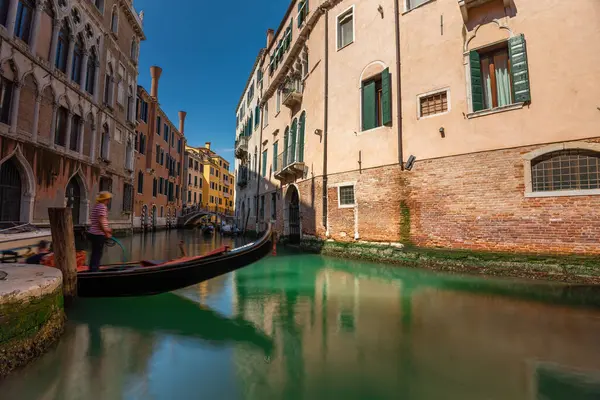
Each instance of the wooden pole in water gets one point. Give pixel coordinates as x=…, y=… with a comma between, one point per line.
x=63, y=246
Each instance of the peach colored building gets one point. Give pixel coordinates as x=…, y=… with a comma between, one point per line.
x=160, y=151
x=442, y=123
x=67, y=119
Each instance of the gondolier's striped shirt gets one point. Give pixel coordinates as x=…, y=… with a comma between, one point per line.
x=98, y=219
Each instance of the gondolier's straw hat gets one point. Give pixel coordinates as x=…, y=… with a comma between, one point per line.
x=103, y=196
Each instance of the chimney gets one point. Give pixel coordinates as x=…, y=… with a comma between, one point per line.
x=155, y=73
x=270, y=34
x=182, y=115
x=207, y=145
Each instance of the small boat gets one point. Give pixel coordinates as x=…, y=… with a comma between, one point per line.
x=208, y=230
x=145, y=278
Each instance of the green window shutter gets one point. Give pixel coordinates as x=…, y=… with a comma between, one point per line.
x=301, y=137
x=476, y=81
x=517, y=52
x=368, y=106
x=293, y=137
x=386, y=97
x=285, y=147
x=264, y=163
x=257, y=120
x=300, y=16
x=275, y=156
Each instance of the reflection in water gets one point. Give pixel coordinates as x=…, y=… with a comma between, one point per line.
x=311, y=327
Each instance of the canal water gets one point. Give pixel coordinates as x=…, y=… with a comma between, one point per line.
x=299, y=326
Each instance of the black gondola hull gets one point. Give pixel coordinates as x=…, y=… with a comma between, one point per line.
x=144, y=281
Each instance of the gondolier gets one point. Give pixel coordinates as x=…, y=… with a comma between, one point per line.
x=99, y=230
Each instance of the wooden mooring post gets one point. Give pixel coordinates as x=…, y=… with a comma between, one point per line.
x=63, y=246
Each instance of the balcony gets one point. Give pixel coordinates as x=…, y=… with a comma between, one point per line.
x=241, y=147
x=242, y=177
x=290, y=163
x=466, y=5
x=292, y=93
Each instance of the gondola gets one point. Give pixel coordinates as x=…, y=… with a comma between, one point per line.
x=146, y=278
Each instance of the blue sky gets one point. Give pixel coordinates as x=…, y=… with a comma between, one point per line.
x=206, y=50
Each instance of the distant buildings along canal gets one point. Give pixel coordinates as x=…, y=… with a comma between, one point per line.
x=159, y=154
x=441, y=123
x=67, y=120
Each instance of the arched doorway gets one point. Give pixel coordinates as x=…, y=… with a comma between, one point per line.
x=10, y=192
x=293, y=218
x=73, y=195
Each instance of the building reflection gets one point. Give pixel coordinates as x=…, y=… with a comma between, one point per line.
x=347, y=334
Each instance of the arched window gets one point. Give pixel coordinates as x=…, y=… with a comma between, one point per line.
x=293, y=137
x=91, y=72
x=250, y=124
x=134, y=49
x=24, y=19
x=77, y=60
x=99, y=5
x=572, y=169
x=62, y=51
x=114, y=21
x=60, y=136
x=108, y=81
x=105, y=143
x=257, y=117
x=74, y=140
x=301, y=128
x=285, y=146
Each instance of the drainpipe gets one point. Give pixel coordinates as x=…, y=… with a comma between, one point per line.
x=398, y=83
x=325, y=115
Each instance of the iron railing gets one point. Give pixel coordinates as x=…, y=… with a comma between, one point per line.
x=292, y=154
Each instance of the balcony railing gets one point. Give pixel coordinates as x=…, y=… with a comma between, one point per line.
x=290, y=163
x=292, y=93
x=241, y=147
x=242, y=176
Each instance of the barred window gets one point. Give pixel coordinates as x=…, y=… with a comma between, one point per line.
x=436, y=103
x=566, y=170
x=346, y=194
x=127, y=197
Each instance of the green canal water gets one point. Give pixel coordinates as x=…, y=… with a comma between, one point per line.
x=299, y=326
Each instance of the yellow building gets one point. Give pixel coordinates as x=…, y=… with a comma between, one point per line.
x=215, y=187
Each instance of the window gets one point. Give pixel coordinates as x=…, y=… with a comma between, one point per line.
x=140, y=186
x=177, y=192
x=24, y=18
x=305, y=64
x=60, y=136
x=179, y=146
x=99, y=5
x=114, y=21
x=376, y=101
x=432, y=104
x=264, y=163
x=574, y=169
x=77, y=60
x=266, y=115
x=195, y=181
x=166, y=132
x=105, y=143
x=74, y=140
x=127, y=197
x=410, y=4
x=273, y=205
x=345, y=28
x=162, y=211
x=91, y=72
x=154, y=187
x=6, y=99
x=499, y=75
x=278, y=101
x=302, y=12
x=134, y=51
x=262, y=207
x=257, y=117
x=346, y=195
x=158, y=125
x=143, y=110
x=157, y=154
x=62, y=50
x=130, y=104
x=142, y=144
x=160, y=185
x=189, y=200
x=120, y=87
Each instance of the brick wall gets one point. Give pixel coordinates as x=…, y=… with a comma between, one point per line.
x=477, y=201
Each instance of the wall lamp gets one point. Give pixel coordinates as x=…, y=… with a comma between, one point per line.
x=442, y=132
